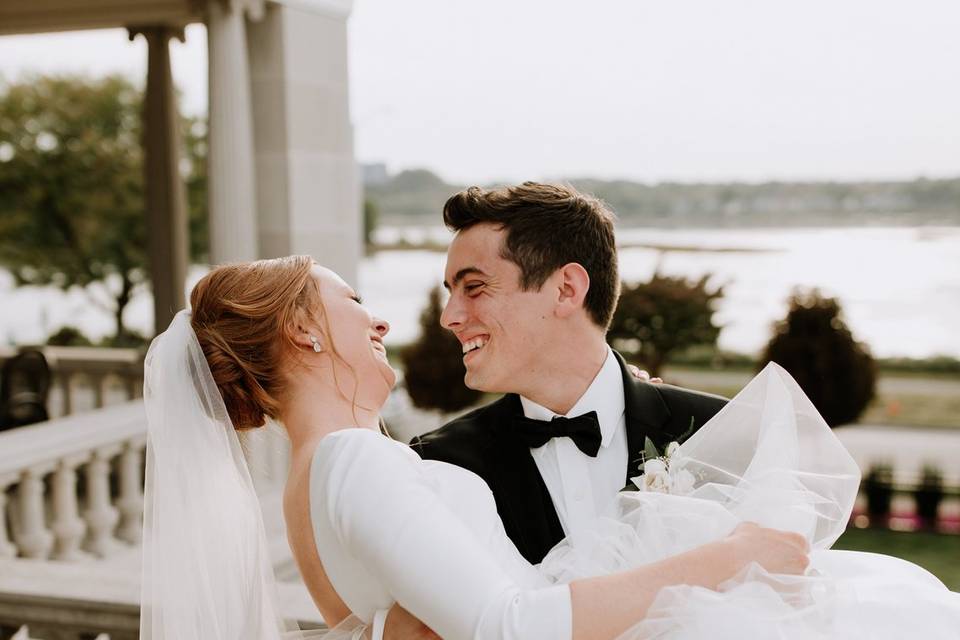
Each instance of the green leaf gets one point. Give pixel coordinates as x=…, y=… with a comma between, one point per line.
x=649, y=449
x=689, y=432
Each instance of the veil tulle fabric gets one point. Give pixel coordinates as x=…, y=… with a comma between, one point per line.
x=767, y=457
x=207, y=573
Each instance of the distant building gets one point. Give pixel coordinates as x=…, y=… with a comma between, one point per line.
x=375, y=173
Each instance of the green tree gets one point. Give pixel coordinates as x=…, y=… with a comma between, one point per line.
x=71, y=187
x=815, y=345
x=371, y=217
x=433, y=365
x=662, y=316
x=69, y=337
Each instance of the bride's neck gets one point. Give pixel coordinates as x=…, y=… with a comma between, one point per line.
x=316, y=407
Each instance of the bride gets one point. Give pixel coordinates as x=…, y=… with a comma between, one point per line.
x=370, y=524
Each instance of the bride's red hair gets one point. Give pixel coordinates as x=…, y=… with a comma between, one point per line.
x=244, y=316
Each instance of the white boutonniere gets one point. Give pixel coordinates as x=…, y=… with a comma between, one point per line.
x=661, y=472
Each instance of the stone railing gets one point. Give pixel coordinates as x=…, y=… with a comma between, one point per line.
x=71, y=510
x=87, y=378
x=73, y=487
x=23, y=633
x=86, y=601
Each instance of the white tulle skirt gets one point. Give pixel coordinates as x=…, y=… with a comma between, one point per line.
x=768, y=458
x=844, y=594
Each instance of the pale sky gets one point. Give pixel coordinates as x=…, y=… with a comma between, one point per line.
x=684, y=90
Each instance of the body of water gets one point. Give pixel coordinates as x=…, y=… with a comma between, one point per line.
x=900, y=287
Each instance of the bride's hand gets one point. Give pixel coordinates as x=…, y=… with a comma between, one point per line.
x=641, y=374
x=776, y=551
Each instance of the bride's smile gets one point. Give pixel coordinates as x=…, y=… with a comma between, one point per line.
x=352, y=338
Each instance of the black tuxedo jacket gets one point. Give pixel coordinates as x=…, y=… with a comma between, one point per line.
x=483, y=442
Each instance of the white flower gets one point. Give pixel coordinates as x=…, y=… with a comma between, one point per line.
x=658, y=481
x=659, y=477
x=654, y=465
x=682, y=482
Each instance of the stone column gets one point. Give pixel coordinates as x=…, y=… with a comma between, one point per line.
x=165, y=194
x=307, y=184
x=231, y=185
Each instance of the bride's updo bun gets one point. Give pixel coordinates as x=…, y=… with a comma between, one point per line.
x=243, y=315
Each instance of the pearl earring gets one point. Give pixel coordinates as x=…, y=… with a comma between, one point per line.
x=316, y=344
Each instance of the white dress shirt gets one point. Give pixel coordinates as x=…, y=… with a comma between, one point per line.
x=582, y=487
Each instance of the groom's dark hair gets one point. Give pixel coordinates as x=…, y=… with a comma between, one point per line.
x=548, y=226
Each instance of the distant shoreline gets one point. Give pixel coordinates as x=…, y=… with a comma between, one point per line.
x=657, y=224
x=438, y=247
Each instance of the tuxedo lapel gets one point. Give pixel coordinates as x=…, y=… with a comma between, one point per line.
x=646, y=415
x=523, y=500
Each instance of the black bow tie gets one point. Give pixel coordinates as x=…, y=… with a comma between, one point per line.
x=584, y=430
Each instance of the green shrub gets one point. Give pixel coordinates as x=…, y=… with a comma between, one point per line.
x=813, y=343
x=433, y=365
x=928, y=495
x=664, y=316
x=878, y=487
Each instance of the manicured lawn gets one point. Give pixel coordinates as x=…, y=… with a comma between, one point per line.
x=935, y=410
x=937, y=553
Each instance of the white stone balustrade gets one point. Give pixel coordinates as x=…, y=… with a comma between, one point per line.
x=24, y=634
x=89, y=377
x=77, y=457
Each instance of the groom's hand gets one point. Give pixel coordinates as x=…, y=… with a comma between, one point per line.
x=640, y=374
x=402, y=625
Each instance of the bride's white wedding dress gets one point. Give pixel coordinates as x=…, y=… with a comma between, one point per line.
x=393, y=528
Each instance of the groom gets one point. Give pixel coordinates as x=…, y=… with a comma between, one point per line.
x=533, y=282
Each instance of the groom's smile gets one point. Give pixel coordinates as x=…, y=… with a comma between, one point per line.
x=500, y=327
x=472, y=345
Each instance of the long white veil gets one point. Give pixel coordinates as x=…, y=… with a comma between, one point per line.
x=207, y=572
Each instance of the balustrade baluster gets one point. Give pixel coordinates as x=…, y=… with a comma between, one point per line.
x=130, y=385
x=64, y=380
x=33, y=539
x=68, y=528
x=97, y=383
x=100, y=515
x=7, y=548
x=130, y=503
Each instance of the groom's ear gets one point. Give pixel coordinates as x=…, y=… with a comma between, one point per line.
x=572, y=284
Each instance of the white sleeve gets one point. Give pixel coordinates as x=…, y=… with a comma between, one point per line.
x=392, y=521
x=378, y=624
